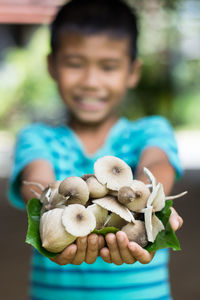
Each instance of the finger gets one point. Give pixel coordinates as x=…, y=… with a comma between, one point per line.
x=105, y=255
x=101, y=241
x=142, y=255
x=113, y=248
x=81, y=251
x=175, y=220
x=66, y=256
x=123, y=242
x=92, y=249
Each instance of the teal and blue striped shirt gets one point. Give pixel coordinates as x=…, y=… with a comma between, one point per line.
x=63, y=149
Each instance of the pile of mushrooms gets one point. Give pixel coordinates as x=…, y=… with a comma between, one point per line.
x=110, y=197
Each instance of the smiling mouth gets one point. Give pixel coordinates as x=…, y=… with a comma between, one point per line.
x=90, y=104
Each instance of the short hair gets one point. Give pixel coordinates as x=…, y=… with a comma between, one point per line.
x=113, y=17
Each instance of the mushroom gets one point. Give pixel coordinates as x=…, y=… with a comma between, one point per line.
x=50, y=197
x=75, y=190
x=78, y=220
x=53, y=235
x=111, y=204
x=96, y=189
x=36, y=184
x=157, y=198
x=126, y=195
x=100, y=214
x=114, y=220
x=113, y=172
x=152, y=223
x=86, y=176
x=136, y=232
x=138, y=195
x=151, y=178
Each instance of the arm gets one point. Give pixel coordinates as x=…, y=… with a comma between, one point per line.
x=86, y=248
x=120, y=250
x=37, y=171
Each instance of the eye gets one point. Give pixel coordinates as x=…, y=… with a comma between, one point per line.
x=110, y=67
x=74, y=65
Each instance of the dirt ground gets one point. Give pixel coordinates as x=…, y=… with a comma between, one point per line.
x=184, y=265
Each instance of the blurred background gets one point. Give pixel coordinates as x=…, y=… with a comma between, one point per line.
x=169, y=47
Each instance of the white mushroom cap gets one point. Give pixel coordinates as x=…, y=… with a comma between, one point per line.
x=142, y=194
x=152, y=223
x=75, y=188
x=115, y=220
x=113, y=172
x=52, y=233
x=96, y=189
x=157, y=198
x=78, y=220
x=100, y=214
x=110, y=203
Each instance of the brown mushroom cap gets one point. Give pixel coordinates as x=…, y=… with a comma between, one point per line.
x=113, y=172
x=136, y=232
x=126, y=195
x=76, y=189
x=111, y=204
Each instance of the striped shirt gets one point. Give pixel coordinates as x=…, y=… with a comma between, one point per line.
x=64, y=150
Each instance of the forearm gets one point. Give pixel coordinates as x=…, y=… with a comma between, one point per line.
x=39, y=171
x=157, y=162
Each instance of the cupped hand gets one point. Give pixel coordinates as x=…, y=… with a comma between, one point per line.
x=119, y=250
x=86, y=249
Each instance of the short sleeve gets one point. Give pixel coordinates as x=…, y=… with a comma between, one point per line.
x=31, y=144
x=159, y=133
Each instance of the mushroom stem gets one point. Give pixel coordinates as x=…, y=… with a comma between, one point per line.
x=176, y=196
x=37, y=195
x=37, y=184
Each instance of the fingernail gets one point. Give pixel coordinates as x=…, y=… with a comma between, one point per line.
x=175, y=224
x=132, y=246
x=94, y=241
x=121, y=238
x=83, y=240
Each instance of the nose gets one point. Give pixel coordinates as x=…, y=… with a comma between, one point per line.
x=90, y=78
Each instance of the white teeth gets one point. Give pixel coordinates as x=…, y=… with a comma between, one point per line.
x=89, y=100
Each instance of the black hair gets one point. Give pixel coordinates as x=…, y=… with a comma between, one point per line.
x=113, y=17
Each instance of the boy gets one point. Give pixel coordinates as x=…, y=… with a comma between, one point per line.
x=93, y=62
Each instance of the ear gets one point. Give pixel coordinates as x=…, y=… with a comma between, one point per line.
x=51, y=66
x=135, y=73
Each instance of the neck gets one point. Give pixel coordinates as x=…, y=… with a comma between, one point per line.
x=92, y=135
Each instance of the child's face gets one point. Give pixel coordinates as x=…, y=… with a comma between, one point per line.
x=92, y=74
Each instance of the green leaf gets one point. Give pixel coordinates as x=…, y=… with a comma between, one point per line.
x=33, y=234
x=106, y=230
x=166, y=238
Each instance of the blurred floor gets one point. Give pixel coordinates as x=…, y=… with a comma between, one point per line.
x=184, y=266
